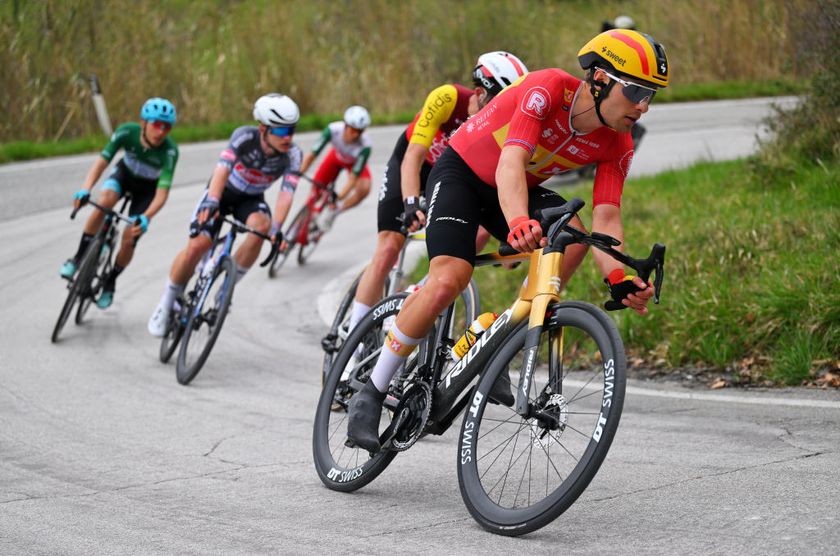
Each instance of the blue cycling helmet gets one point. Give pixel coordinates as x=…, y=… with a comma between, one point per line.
x=158, y=110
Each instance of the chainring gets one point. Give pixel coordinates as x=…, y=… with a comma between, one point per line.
x=411, y=416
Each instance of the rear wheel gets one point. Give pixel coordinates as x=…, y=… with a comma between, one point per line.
x=291, y=236
x=80, y=285
x=518, y=474
x=205, y=321
x=341, y=467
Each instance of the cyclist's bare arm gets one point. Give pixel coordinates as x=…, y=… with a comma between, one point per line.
x=161, y=195
x=282, y=206
x=513, y=188
x=216, y=188
x=606, y=219
x=307, y=161
x=95, y=173
x=410, y=173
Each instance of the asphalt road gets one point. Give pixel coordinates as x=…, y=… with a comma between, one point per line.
x=101, y=451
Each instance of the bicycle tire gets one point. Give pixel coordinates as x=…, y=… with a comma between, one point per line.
x=103, y=267
x=313, y=237
x=225, y=271
x=339, y=466
x=76, y=289
x=291, y=236
x=174, y=332
x=585, y=423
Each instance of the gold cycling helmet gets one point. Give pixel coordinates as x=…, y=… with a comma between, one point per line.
x=628, y=52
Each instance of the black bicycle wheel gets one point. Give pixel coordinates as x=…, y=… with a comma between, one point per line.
x=313, y=237
x=206, y=320
x=517, y=475
x=340, y=467
x=104, y=264
x=291, y=242
x=174, y=331
x=80, y=285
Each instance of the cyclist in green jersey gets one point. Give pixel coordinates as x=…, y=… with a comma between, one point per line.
x=144, y=172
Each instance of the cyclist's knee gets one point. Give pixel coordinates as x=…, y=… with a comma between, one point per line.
x=197, y=247
x=260, y=222
x=443, y=288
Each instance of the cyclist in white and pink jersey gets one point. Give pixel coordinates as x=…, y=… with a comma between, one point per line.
x=350, y=151
x=545, y=123
x=254, y=159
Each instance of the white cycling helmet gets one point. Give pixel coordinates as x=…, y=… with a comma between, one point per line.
x=624, y=22
x=496, y=70
x=276, y=110
x=357, y=117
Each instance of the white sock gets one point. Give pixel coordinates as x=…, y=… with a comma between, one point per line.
x=395, y=351
x=170, y=293
x=358, y=310
x=241, y=271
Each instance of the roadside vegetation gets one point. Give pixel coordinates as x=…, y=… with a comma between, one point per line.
x=214, y=58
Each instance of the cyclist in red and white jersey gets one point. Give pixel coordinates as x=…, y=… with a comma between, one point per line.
x=545, y=123
x=351, y=148
x=416, y=151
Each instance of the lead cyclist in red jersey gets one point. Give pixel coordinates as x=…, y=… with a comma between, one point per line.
x=545, y=123
x=416, y=151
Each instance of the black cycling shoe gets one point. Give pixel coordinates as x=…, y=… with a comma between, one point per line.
x=500, y=392
x=363, y=418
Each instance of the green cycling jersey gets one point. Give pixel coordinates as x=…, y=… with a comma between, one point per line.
x=157, y=163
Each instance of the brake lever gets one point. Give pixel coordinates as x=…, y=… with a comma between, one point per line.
x=275, y=249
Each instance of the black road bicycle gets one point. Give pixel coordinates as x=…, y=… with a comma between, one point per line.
x=95, y=264
x=198, y=316
x=519, y=466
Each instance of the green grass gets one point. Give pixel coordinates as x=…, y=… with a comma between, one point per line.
x=29, y=150
x=751, y=269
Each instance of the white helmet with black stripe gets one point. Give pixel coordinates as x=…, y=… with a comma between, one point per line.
x=496, y=70
x=276, y=110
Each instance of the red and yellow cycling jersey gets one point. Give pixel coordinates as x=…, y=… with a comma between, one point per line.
x=535, y=113
x=445, y=109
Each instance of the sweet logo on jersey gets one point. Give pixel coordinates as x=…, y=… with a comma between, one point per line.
x=537, y=102
x=568, y=95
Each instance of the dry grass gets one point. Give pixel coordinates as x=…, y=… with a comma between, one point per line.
x=213, y=58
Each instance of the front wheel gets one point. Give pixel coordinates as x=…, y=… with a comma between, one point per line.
x=174, y=331
x=292, y=234
x=80, y=287
x=206, y=320
x=103, y=268
x=517, y=474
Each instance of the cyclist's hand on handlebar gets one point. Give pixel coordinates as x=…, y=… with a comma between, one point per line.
x=413, y=217
x=208, y=207
x=80, y=198
x=628, y=291
x=276, y=233
x=141, y=225
x=525, y=234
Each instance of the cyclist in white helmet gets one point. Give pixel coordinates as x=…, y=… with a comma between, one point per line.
x=351, y=148
x=253, y=160
x=418, y=148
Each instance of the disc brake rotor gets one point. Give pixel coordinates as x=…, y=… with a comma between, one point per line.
x=543, y=436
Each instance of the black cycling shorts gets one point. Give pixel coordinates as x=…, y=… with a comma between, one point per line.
x=234, y=202
x=123, y=182
x=389, y=213
x=460, y=202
